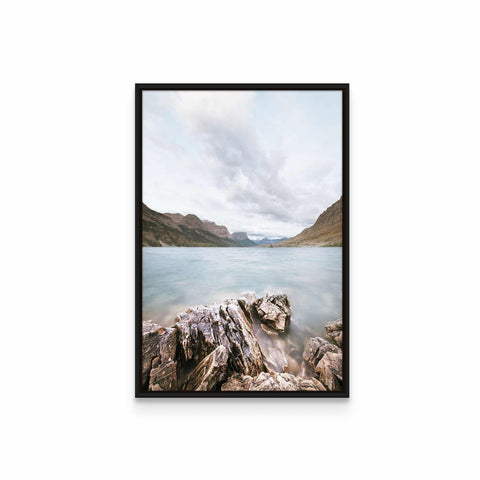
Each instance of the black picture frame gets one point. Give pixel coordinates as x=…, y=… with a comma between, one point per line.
x=344, y=88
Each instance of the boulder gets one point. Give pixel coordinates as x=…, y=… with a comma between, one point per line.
x=315, y=349
x=210, y=372
x=334, y=331
x=274, y=311
x=325, y=360
x=282, y=382
x=329, y=370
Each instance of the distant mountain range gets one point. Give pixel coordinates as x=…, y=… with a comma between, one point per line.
x=325, y=232
x=242, y=238
x=177, y=230
x=269, y=241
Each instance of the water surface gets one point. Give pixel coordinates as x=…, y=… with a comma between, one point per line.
x=177, y=278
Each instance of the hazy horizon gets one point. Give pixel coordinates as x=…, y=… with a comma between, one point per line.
x=267, y=163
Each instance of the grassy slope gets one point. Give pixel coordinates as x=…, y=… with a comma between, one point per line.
x=325, y=232
x=159, y=230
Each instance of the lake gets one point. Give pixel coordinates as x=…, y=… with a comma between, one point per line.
x=176, y=278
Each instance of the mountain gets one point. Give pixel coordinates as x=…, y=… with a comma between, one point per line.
x=242, y=238
x=177, y=230
x=192, y=221
x=269, y=241
x=218, y=230
x=325, y=232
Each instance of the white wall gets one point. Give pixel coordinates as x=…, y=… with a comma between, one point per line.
x=67, y=186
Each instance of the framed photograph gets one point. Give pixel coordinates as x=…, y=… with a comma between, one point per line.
x=242, y=266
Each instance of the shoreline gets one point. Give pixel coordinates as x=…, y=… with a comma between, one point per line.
x=242, y=344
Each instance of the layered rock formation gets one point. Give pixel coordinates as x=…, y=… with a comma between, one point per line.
x=202, y=329
x=210, y=372
x=217, y=347
x=325, y=232
x=189, y=356
x=324, y=359
x=274, y=312
x=334, y=331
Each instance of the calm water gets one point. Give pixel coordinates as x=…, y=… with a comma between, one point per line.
x=177, y=278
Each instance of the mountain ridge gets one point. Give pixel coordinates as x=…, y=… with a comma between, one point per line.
x=177, y=230
x=242, y=238
x=325, y=232
x=270, y=241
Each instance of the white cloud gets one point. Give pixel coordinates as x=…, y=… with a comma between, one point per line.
x=262, y=162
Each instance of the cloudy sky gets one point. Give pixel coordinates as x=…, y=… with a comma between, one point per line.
x=262, y=162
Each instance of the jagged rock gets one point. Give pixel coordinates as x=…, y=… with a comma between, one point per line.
x=334, y=330
x=315, y=349
x=246, y=302
x=149, y=352
x=148, y=326
x=167, y=344
x=337, y=338
x=248, y=297
x=325, y=360
x=180, y=357
x=274, y=311
x=157, y=348
x=213, y=347
x=159, y=354
x=164, y=377
x=329, y=370
x=267, y=382
x=210, y=372
x=202, y=329
x=334, y=326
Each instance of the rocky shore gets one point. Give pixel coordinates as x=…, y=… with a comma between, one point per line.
x=218, y=347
